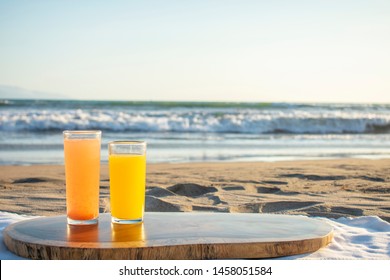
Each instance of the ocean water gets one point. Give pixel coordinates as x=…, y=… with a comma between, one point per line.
x=31, y=130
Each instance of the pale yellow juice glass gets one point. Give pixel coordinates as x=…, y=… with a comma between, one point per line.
x=82, y=175
x=127, y=167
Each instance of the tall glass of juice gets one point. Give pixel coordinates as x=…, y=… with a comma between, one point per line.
x=82, y=175
x=127, y=167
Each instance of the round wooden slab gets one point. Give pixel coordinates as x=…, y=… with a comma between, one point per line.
x=193, y=235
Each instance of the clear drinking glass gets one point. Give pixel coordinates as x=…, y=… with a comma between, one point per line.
x=127, y=165
x=82, y=173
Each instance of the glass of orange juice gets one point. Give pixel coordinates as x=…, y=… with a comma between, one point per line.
x=127, y=167
x=82, y=175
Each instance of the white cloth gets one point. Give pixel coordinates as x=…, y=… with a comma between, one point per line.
x=366, y=238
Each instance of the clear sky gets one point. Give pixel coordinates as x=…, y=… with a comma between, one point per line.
x=204, y=50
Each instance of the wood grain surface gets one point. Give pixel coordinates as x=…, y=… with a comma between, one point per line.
x=193, y=235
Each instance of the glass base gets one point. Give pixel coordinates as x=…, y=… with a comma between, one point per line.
x=126, y=221
x=82, y=222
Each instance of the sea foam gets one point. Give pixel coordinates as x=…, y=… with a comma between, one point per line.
x=247, y=121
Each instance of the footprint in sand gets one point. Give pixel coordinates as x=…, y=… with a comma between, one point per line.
x=376, y=190
x=372, y=179
x=313, y=177
x=274, y=190
x=275, y=182
x=210, y=208
x=268, y=189
x=234, y=188
x=159, y=192
x=30, y=180
x=245, y=208
x=278, y=206
x=37, y=180
x=216, y=200
x=191, y=190
x=158, y=205
x=347, y=210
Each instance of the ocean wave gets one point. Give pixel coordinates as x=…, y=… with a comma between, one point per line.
x=246, y=121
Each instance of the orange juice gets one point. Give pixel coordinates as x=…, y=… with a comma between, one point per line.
x=82, y=172
x=127, y=186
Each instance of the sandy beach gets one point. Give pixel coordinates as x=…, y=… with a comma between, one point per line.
x=326, y=188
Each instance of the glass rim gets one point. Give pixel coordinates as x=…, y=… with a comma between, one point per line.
x=82, y=132
x=127, y=142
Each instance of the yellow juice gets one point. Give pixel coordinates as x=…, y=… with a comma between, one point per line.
x=127, y=185
x=82, y=171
